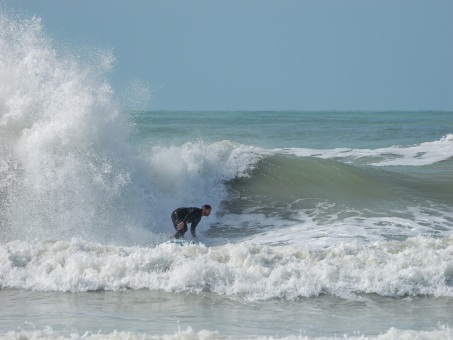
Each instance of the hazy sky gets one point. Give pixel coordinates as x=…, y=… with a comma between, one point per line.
x=268, y=55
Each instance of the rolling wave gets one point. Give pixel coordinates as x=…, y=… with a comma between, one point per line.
x=285, y=178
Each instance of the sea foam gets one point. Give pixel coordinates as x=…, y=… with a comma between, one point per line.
x=418, y=266
x=442, y=332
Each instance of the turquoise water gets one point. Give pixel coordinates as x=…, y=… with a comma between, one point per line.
x=323, y=130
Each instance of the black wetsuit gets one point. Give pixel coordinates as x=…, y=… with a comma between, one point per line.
x=186, y=215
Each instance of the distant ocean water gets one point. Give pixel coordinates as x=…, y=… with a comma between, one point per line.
x=324, y=224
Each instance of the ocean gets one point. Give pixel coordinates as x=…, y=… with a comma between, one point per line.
x=324, y=225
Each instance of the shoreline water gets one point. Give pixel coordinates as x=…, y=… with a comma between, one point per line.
x=163, y=314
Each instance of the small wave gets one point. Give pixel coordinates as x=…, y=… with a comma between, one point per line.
x=416, y=155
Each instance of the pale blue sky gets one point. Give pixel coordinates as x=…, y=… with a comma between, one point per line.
x=268, y=55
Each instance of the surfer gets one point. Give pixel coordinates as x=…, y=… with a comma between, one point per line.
x=181, y=216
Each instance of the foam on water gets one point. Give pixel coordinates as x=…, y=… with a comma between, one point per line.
x=440, y=333
x=418, y=266
x=326, y=225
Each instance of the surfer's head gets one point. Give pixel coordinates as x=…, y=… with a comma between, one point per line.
x=206, y=210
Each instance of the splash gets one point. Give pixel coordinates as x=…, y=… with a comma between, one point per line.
x=67, y=165
x=66, y=168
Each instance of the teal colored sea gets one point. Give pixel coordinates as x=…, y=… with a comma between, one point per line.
x=324, y=225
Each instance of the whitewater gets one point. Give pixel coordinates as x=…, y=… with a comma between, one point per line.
x=324, y=224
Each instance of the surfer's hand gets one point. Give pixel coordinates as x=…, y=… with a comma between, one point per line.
x=180, y=225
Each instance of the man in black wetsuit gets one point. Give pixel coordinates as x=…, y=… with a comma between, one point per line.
x=181, y=216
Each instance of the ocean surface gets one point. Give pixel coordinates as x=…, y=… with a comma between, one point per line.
x=324, y=224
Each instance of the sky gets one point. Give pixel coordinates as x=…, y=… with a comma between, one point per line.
x=267, y=54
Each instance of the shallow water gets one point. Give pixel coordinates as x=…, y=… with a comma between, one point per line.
x=160, y=313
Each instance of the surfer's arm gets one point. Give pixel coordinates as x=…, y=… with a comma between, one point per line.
x=192, y=228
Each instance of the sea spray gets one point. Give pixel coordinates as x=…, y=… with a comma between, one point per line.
x=68, y=168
